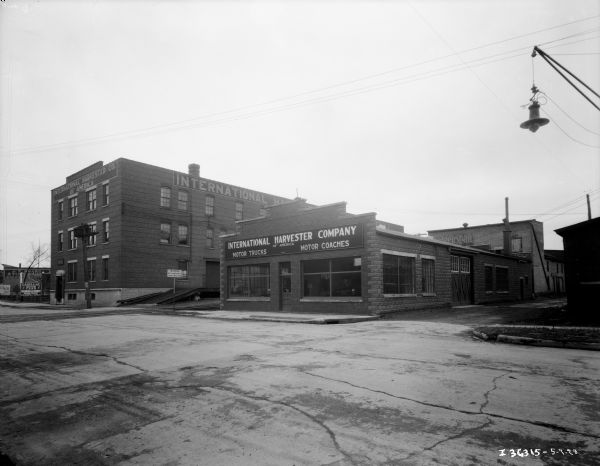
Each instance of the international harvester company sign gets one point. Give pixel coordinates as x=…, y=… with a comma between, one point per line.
x=323, y=239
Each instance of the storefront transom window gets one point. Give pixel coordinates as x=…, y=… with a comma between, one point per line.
x=332, y=277
x=249, y=281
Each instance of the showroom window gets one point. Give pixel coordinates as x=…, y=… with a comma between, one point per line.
x=246, y=281
x=398, y=274
x=332, y=277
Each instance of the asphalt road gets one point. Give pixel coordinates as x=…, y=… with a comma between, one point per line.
x=150, y=389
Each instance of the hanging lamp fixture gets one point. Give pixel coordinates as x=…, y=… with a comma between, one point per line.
x=534, y=122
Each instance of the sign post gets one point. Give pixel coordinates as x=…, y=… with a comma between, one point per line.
x=175, y=274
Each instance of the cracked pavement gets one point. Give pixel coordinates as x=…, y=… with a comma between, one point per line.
x=150, y=389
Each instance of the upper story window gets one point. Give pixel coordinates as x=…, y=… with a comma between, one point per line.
x=106, y=230
x=91, y=199
x=73, y=209
x=165, y=233
x=517, y=244
x=165, y=196
x=60, y=209
x=182, y=235
x=182, y=200
x=60, y=241
x=105, y=194
x=72, y=240
x=239, y=210
x=210, y=206
x=210, y=235
x=92, y=238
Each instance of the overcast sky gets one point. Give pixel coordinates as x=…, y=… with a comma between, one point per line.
x=407, y=109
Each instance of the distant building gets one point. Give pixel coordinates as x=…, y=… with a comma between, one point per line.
x=555, y=269
x=582, y=265
x=305, y=258
x=148, y=220
x=32, y=282
x=526, y=241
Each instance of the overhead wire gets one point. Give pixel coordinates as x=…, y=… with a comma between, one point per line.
x=567, y=134
x=569, y=116
x=571, y=209
x=197, y=120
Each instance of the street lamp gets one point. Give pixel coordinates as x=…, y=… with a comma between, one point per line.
x=534, y=122
x=84, y=232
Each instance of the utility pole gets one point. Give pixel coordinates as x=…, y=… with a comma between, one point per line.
x=84, y=232
x=589, y=207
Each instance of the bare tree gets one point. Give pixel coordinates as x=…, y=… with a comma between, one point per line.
x=39, y=254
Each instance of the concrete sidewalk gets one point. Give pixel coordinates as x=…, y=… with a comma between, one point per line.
x=17, y=308
x=298, y=318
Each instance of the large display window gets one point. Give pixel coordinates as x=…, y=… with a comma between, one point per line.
x=398, y=274
x=332, y=277
x=246, y=281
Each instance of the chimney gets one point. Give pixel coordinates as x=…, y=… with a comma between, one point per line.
x=194, y=170
x=507, y=247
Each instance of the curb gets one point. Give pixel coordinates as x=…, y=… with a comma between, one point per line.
x=300, y=320
x=538, y=342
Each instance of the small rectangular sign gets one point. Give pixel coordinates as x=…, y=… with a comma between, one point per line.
x=175, y=273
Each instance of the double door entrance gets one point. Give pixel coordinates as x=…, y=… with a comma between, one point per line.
x=462, y=280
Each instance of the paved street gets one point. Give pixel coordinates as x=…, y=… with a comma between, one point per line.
x=154, y=389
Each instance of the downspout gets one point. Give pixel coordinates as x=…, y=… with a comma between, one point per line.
x=541, y=256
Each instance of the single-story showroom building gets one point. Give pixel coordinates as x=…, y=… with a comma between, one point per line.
x=305, y=258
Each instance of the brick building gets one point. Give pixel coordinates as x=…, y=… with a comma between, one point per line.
x=300, y=257
x=526, y=240
x=555, y=269
x=147, y=219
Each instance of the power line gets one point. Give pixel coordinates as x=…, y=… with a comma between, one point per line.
x=195, y=121
x=567, y=134
x=569, y=116
x=189, y=122
x=351, y=92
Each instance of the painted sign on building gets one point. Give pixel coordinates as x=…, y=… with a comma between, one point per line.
x=87, y=180
x=214, y=187
x=323, y=239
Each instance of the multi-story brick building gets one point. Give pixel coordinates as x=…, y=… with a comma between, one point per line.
x=526, y=240
x=300, y=257
x=147, y=220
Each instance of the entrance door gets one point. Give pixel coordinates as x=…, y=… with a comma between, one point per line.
x=285, y=286
x=59, y=294
x=213, y=279
x=462, y=288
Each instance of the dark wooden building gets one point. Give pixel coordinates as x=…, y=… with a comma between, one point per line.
x=582, y=265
